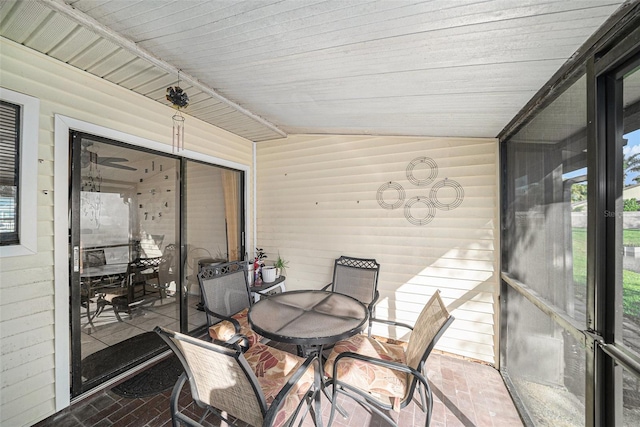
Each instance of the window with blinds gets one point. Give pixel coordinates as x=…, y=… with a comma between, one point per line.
x=9, y=173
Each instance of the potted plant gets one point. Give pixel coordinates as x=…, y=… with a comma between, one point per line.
x=258, y=263
x=281, y=265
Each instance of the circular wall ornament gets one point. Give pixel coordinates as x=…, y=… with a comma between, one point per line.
x=419, y=221
x=433, y=195
x=432, y=175
x=386, y=186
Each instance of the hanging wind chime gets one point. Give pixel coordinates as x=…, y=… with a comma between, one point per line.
x=179, y=99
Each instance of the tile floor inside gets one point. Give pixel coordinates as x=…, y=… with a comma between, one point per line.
x=107, y=330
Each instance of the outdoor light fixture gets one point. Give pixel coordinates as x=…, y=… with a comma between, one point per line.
x=179, y=99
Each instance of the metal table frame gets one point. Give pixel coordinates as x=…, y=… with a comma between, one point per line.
x=310, y=344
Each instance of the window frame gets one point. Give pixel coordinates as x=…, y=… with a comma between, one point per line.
x=28, y=176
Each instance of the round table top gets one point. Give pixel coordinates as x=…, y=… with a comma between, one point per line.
x=308, y=317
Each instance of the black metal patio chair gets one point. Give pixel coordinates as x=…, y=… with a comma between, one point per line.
x=358, y=278
x=384, y=376
x=262, y=387
x=226, y=298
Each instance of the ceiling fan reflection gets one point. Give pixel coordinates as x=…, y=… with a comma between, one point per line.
x=89, y=157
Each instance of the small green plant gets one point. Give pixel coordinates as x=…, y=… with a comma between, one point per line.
x=281, y=263
x=631, y=205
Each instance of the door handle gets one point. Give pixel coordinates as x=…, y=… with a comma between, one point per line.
x=76, y=259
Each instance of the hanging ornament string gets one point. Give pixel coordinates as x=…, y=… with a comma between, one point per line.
x=179, y=99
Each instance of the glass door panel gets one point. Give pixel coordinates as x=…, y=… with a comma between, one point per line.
x=125, y=226
x=213, y=224
x=628, y=239
x=626, y=293
x=142, y=225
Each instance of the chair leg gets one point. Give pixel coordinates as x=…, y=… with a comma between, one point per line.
x=117, y=313
x=362, y=401
x=427, y=407
x=100, y=305
x=334, y=404
x=430, y=407
x=331, y=399
x=422, y=399
x=175, y=396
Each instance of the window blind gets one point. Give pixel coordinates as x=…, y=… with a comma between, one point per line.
x=9, y=171
x=9, y=129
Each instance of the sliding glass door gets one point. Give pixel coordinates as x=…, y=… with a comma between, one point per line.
x=213, y=218
x=619, y=324
x=142, y=224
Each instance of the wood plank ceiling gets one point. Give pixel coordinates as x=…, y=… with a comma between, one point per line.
x=266, y=68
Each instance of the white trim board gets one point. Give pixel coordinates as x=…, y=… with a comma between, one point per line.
x=28, y=204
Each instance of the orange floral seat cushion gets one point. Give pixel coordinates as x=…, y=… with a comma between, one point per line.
x=224, y=330
x=374, y=379
x=273, y=368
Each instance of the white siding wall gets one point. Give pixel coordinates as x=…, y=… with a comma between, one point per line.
x=316, y=199
x=27, y=375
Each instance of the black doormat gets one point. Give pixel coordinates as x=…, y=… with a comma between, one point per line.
x=116, y=359
x=160, y=377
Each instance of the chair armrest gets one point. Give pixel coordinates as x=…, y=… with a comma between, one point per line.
x=312, y=362
x=234, y=322
x=380, y=362
x=392, y=323
x=373, y=303
x=237, y=342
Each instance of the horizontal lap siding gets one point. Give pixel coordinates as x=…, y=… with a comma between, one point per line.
x=316, y=199
x=27, y=283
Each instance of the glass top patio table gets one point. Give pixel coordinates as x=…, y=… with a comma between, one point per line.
x=308, y=318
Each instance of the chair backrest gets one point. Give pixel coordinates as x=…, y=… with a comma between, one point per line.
x=137, y=269
x=356, y=277
x=219, y=376
x=94, y=258
x=224, y=288
x=433, y=320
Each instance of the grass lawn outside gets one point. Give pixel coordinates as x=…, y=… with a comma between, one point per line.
x=630, y=237
x=630, y=279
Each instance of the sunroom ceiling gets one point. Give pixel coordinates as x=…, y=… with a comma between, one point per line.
x=264, y=69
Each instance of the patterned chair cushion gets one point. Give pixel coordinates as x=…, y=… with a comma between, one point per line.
x=224, y=330
x=374, y=379
x=273, y=368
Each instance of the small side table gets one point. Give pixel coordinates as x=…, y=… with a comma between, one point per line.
x=267, y=288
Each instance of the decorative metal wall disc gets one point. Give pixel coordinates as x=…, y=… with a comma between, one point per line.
x=419, y=221
x=432, y=175
x=400, y=195
x=433, y=195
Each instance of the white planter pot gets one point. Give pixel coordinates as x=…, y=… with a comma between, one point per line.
x=268, y=274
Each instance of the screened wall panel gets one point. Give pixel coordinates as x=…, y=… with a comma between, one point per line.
x=545, y=221
x=320, y=197
x=545, y=364
x=544, y=245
